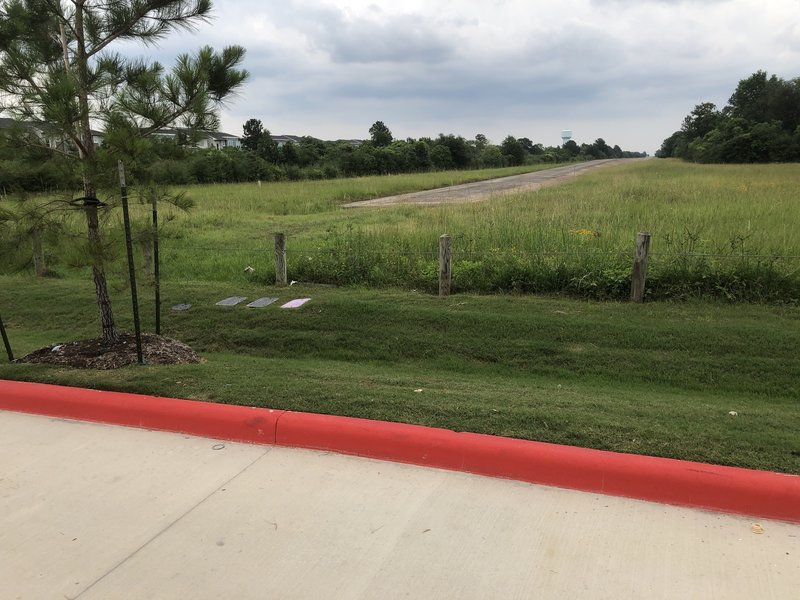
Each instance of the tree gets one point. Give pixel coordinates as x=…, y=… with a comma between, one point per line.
x=253, y=130
x=460, y=152
x=750, y=100
x=513, y=150
x=571, y=147
x=380, y=134
x=57, y=72
x=703, y=118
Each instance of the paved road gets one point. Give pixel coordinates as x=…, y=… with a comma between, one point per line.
x=481, y=190
x=95, y=512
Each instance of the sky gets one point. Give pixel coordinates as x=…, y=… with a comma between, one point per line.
x=628, y=71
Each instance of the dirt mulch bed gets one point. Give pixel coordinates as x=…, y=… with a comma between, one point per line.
x=96, y=354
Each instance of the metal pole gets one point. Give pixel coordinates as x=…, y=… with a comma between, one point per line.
x=131, y=268
x=156, y=269
x=5, y=341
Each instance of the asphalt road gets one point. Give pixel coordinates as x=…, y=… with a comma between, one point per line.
x=482, y=190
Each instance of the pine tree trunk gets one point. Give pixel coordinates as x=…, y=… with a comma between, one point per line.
x=109, y=329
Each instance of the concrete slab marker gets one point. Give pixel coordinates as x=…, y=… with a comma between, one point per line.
x=232, y=301
x=297, y=303
x=261, y=302
x=181, y=307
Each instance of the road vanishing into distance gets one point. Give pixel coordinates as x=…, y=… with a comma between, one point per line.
x=483, y=190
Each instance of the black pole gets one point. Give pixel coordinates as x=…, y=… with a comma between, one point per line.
x=156, y=263
x=131, y=268
x=5, y=341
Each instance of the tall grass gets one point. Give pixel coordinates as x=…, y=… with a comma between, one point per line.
x=724, y=231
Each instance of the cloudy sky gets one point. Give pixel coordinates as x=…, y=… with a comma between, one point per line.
x=624, y=70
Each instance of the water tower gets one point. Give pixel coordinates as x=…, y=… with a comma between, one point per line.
x=566, y=136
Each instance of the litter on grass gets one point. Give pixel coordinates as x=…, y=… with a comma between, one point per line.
x=232, y=301
x=261, y=302
x=182, y=307
x=297, y=303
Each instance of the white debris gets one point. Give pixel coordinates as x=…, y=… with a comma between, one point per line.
x=292, y=282
x=418, y=390
x=249, y=269
x=733, y=413
x=57, y=348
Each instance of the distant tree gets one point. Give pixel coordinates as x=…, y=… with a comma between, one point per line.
x=267, y=148
x=703, y=118
x=527, y=145
x=672, y=146
x=572, y=149
x=481, y=141
x=253, y=130
x=759, y=124
x=513, y=150
x=289, y=154
x=492, y=157
x=459, y=150
x=421, y=156
x=380, y=134
x=750, y=100
x=441, y=157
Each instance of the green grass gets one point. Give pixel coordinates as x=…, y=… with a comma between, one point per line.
x=656, y=379
x=717, y=231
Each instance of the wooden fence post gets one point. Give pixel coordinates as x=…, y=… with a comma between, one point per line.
x=280, y=259
x=444, y=265
x=640, y=257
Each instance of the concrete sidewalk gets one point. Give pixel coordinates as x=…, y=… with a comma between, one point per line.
x=101, y=512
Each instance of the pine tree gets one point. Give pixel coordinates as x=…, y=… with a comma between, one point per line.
x=59, y=75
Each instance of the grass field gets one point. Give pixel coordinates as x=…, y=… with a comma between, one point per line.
x=658, y=378
x=717, y=231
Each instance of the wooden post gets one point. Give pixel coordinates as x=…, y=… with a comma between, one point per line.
x=280, y=259
x=640, y=257
x=444, y=265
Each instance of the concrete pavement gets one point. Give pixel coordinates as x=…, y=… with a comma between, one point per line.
x=95, y=511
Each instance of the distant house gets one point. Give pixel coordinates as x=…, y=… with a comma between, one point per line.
x=282, y=140
x=47, y=134
x=205, y=140
x=220, y=140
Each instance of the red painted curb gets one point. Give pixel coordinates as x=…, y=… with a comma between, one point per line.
x=234, y=423
x=724, y=489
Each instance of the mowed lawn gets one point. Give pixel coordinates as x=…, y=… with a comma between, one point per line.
x=658, y=378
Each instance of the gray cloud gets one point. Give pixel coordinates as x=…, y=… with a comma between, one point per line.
x=626, y=71
x=376, y=38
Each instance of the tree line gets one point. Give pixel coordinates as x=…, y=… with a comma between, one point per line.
x=760, y=124
x=260, y=158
